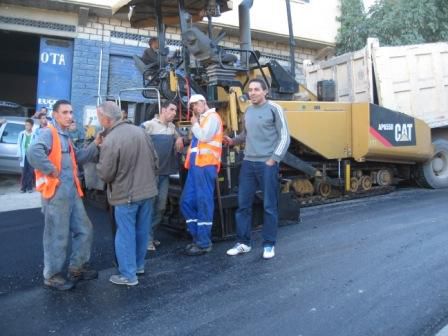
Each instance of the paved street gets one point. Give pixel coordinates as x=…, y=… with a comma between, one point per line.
x=365, y=267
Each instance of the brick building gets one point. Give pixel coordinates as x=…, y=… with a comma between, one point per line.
x=89, y=52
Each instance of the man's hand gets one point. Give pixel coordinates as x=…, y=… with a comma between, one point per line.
x=227, y=140
x=193, y=119
x=179, y=144
x=270, y=162
x=98, y=139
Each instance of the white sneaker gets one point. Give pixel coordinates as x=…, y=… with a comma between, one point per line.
x=238, y=249
x=151, y=246
x=122, y=280
x=268, y=252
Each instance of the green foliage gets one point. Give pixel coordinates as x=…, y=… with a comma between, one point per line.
x=393, y=22
x=352, y=34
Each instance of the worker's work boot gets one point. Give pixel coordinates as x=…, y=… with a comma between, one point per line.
x=85, y=272
x=189, y=247
x=196, y=250
x=58, y=282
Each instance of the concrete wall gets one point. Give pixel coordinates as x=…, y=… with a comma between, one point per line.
x=313, y=20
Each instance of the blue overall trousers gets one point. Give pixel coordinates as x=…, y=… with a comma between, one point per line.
x=197, y=201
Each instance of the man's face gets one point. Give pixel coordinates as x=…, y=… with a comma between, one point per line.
x=28, y=126
x=64, y=115
x=43, y=120
x=43, y=110
x=104, y=122
x=72, y=126
x=169, y=113
x=198, y=107
x=155, y=44
x=257, y=95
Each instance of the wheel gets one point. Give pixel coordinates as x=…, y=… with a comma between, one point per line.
x=434, y=172
x=384, y=177
x=354, y=184
x=366, y=182
x=323, y=188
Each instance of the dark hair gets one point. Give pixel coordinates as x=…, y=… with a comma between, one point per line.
x=167, y=103
x=258, y=80
x=152, y=39
x=59, y=103
x=29, y=120
x=44, y=108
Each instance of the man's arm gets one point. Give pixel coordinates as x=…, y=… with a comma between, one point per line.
x=108, y=162
x=38, y=151
x=19, y=145
x=87, y=154
x=206, y=133
x=282, y=130
x=238, y=139
x=155, y=157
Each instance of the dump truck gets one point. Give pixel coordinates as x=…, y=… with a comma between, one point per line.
x=412, y=79
x=339, y=149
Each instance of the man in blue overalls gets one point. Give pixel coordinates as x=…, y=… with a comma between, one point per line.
x=203, y=161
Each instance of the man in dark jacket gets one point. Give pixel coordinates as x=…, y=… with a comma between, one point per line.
x=128, y=164
x=151, y=56
x=168, y=143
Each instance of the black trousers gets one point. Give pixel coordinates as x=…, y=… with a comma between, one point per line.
x=27, y=176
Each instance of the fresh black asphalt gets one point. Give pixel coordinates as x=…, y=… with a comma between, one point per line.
x=374, y=266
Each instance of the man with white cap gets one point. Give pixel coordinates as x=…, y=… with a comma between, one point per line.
x=203, y=162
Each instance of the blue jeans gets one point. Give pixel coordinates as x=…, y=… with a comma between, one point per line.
x=131, y=238
x=257, y=176
x=159, y=204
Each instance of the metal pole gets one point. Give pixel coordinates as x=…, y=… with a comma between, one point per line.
x=183, y=28
x=292, y=43
x=160, y=31
x=99, y=100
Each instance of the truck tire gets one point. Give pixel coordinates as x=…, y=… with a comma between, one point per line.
x=434, y=172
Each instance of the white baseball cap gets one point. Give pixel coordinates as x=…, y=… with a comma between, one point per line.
x=195, y=98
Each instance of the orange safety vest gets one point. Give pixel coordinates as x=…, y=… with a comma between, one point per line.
x=47, y=184
x=207, y=153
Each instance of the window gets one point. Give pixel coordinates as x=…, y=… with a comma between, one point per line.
x=11, y=133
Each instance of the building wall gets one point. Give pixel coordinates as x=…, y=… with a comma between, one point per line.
x=116, y=41
x=313, y=20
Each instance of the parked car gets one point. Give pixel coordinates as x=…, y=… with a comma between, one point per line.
x=8, y=108
x=9, y=135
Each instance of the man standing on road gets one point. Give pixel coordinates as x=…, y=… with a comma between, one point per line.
x=54, y=158
x=167, y=143
x=128, y=164
x=267, y=140
x=43, y=122
x=26, y=137
x=203, y=162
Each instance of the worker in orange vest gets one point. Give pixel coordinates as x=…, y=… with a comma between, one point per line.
x=55, y=161
x=203, y=162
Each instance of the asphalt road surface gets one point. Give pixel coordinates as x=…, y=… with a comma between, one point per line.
x=375, y=266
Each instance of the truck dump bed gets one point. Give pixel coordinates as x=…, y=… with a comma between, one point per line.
x=412, y=79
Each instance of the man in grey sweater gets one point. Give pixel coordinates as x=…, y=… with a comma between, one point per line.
x=267, y=141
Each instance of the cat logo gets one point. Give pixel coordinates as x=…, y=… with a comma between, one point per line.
x=403, y=132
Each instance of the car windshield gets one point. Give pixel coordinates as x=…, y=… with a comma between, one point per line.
x=11, y=133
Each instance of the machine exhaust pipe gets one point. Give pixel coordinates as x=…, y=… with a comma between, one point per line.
x=245, y=37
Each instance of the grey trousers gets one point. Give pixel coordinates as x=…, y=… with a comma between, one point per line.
x=65, y=217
